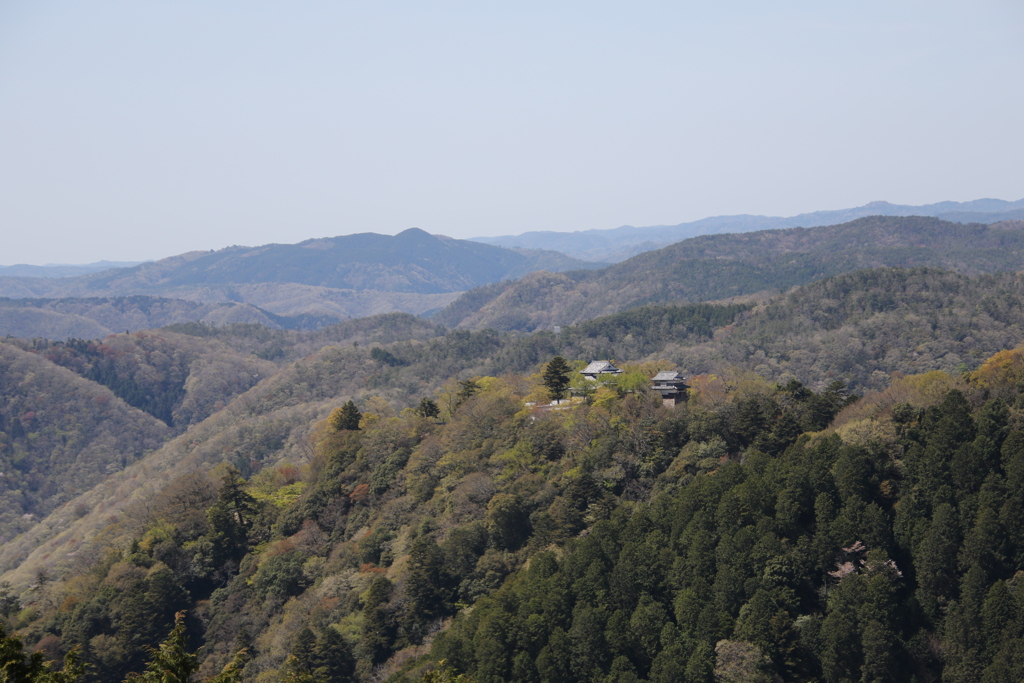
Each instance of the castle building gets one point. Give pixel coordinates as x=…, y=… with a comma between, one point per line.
x=671, y=385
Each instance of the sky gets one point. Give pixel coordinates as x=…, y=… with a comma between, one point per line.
x=138, y=129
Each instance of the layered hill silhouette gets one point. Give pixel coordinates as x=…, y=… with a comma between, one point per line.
x=62, y=270
x=323, y=279
x=618, y=244
x=96, y=317
x=714, y=267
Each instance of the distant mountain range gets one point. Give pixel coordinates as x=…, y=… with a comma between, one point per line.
x=618, y=244
x=62, y=269
x=474, y=285
x=312, y=283
x=715, y=267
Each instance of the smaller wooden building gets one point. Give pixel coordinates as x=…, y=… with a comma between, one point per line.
x=671, y=385
x=599, y=367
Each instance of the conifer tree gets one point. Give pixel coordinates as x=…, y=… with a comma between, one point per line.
x=16, y=666
x=467, y=390
x=556, y=378
x=230, y=519
x=428, y=408
x=346, y=417
x=444, y=673
x=171, y=661
x=232, y=672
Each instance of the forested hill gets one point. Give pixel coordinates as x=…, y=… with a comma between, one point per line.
x=618, y=244
x=860, y=327
x=411, y=261
x=96, y=317
x=772, y=525
x=60, y=435
x=715, y=267
x=310, y=284
x=733, y=537
x=890, y=552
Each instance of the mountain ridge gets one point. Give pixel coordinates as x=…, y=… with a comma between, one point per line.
x=52, y=270
x=714, y=267
x=617, y=244
x=314, y=282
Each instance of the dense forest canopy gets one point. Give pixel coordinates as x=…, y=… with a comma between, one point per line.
x=748, y=532
x=97, y=317
x=60, y=435
x=836, y=500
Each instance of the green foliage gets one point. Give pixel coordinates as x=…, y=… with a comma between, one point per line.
x=16, y=666
x=556, y=377
x=507, y=521
x=170, y=662
x=428, y=408
x=230, y=519
x=445, y=674
x=280, y=576
x=322, y=658
x=736, y=535
x=467, y=389
x=789, y=566
x=345, y=417
x=384, y=357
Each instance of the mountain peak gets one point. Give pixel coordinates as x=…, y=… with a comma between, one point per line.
x=413, y=232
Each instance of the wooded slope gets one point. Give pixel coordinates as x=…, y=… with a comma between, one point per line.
x=716, y=267
x=618, y=244
x=97, y=317
x=730, y=536
x=60, y=435
x=357, y=546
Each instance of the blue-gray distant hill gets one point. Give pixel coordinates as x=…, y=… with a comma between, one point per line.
x=62, y=269
x=320, y=279
x=412, y=261
x=618, y=244
x=714, y=267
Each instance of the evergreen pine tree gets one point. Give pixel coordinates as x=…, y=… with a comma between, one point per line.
x=467, y=390
x=556, y=377
x=232, y=673
x=345, y=417
x=428, y=408
x=171, y=661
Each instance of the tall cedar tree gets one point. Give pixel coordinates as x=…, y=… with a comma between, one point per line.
x=346, y=417
x=428, y=408
x=556, y=377
x=172, y=662
x=467, y=390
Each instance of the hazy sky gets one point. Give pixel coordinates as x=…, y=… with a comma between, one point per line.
x=137, y=129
